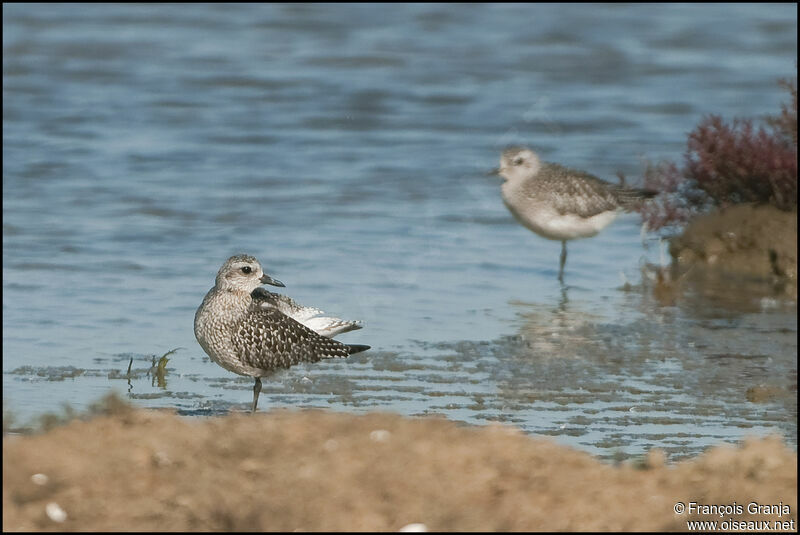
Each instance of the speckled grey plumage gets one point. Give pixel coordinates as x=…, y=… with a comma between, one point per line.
x=267, y=339
x=560, y=203
x=572, y=191
x=244, y=336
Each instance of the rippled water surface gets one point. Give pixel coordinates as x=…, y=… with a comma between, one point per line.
x=346, y=147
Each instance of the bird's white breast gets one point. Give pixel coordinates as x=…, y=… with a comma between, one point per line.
x=547, y=222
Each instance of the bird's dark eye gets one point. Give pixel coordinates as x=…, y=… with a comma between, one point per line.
x=247, y=269
x=518, y=161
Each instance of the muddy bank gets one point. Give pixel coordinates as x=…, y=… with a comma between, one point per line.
x=319, y=470
x=742, y=243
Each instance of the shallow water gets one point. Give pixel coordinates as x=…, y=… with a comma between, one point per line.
x=346, y=146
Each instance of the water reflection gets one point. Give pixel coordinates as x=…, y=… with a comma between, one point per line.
x=666, y=371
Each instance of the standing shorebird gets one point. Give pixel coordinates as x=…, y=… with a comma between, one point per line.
x=250, y=331
x=559, y=203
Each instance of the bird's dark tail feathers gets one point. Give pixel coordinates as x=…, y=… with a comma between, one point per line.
x=355, y=348
x=648, y=193
x=631, y=198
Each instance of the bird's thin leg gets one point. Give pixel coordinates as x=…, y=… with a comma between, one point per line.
x=563, y=260
x=256, y=392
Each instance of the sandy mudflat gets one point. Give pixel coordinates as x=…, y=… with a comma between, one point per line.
x=319, y=470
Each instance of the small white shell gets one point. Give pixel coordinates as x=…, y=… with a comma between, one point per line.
x=55, y=512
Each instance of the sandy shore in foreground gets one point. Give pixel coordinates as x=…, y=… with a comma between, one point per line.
x=319, y=470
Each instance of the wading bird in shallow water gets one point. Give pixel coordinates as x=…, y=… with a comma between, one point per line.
x=559, y=203
x=251, y=331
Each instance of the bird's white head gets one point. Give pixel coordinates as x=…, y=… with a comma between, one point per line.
x=243, y=273
x=518, y=163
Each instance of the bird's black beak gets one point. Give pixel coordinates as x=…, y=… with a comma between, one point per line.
x=266, y=279
x=493, y=172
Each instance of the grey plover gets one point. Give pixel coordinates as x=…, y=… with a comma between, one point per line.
x=250, y=331
x=559, y=203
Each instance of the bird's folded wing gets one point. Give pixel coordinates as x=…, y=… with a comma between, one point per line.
x=267, y=338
